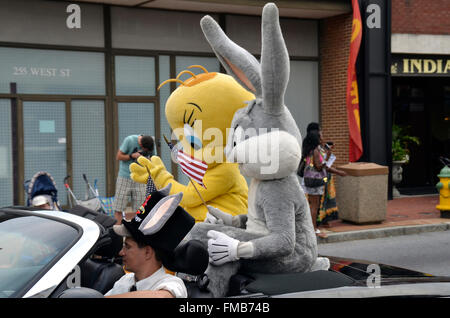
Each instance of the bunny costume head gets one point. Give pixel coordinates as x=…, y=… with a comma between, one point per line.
x=277, y=234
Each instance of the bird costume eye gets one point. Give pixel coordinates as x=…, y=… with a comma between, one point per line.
x=191, y=138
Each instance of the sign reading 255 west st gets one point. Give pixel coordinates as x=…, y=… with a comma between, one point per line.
x=420, y=65
x=39, y=71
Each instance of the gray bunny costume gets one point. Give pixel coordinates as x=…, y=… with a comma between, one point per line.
x=277, y=234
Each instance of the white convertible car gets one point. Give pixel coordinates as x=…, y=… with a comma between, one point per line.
x=53, y=254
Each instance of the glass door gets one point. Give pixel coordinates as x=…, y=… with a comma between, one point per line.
x=44, y=131
x=88, y=155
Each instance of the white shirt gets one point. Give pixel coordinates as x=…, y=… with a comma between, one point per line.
x=157, y=281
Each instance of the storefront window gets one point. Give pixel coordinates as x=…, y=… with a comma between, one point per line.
x=88, y=146
x=52, y=72
x=136, y=119
x=6, y=180
x=135, y=76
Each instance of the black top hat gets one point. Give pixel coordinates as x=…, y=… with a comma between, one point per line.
x=160, y=222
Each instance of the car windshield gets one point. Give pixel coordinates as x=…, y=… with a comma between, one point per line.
x=27, y=245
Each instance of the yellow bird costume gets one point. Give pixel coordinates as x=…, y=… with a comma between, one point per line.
x=199, y=112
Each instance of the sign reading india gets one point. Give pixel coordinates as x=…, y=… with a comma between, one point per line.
x=419, y=66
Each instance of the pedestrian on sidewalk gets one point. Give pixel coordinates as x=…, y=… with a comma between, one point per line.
x=132, y=148
x=321, y=196
x=328, y=209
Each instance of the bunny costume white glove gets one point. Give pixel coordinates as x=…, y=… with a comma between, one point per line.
x=221, y=248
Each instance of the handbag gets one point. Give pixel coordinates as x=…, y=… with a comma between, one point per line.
x=301, y=167
x=313, y=178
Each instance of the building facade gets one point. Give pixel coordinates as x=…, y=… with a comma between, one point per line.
x=71, y=89
x=420, y=70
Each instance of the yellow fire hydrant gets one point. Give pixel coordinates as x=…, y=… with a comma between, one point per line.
x=444, y=192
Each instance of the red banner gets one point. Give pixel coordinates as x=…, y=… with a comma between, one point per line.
x=355, y=143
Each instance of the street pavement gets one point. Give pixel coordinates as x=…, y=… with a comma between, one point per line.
x=427, y=252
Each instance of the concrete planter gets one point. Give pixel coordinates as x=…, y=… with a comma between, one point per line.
x=362, y=194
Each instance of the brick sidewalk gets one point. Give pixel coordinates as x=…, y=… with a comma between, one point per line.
x=403, y=211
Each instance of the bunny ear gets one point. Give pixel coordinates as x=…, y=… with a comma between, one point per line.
x=166, y=190
x=274, y=61
x=160, y=213
x=239, y=63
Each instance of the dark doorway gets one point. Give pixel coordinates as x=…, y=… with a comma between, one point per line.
x=423, y=105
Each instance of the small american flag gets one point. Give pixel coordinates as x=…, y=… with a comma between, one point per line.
x=193, y=168
x=150, y=186
x=188, y=165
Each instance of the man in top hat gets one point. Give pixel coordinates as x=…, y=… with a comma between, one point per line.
x=150, y=240
x=148, y=277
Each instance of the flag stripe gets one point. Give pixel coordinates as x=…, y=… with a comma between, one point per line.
x=192, y=167
x=192, y=160
x=195, y=179
x=191, y=172
x=198, y=180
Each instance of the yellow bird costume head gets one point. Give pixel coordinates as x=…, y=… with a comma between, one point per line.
x=200, y=111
